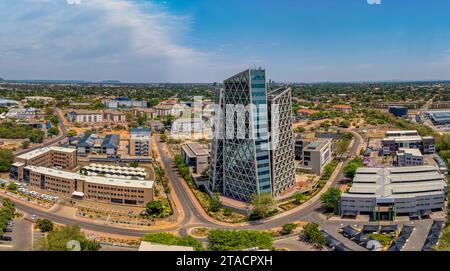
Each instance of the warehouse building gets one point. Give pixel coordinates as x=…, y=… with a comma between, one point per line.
x=386, y=192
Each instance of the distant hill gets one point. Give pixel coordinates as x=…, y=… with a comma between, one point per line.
x=110, y=82
x=1, y=79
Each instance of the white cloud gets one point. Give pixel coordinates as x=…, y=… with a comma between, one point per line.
x=96, y=40
x=374, y=2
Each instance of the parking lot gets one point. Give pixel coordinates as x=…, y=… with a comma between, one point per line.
x=21, y=236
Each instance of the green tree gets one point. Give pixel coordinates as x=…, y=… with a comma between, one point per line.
x=12, y=187
x=262, y=204
x=25, y=144
x=170, y=239
x=215, y=204
x=155, y=207
x=299, y=197
x=288, y=228
x=134, y=164
x=58, y=240
x=72, y=133
x=330, y=197
x=36, y=136
x=6, y=157
x=352, y=166
x=311, y=233
x=45, y=225
x=53, y=130
x=226, y=240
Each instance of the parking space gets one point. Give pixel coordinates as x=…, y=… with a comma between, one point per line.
x=20, y=237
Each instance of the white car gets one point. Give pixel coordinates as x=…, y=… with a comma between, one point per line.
x=33, y=217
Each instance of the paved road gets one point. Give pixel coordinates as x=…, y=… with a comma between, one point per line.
x=52, y=141
x=194, y=217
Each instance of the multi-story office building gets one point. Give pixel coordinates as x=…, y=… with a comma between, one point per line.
x=386, y=192
x=195, y=157
x=56, y=157
x=409, y=157
x=140, y=142
x=241, y=155
x=85, y=116
x=113, y=115
x=407, y=139
x=299, y=144
x=316, y=156
x=281, y=139
x=97, y=188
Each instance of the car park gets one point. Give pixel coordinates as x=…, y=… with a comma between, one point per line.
x=8, y=230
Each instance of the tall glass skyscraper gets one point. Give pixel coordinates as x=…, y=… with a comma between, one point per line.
x=241, y=156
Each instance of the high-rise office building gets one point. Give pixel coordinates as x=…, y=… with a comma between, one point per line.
x=241, y=154
x=282, y=151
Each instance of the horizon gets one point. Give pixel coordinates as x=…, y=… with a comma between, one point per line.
x=176, y=41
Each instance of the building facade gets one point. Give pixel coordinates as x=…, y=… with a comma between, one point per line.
x=395, y=140
x=282, y=140
x=55, y=157
x=398, y=111
x=316, y=156
x=195, y=157
x=241, y=147
x=409, y=157
x=140, y=142
x=85, y=116
x=113, y=115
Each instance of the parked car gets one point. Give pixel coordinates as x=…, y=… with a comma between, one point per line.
x=6, y=238
x=8, y=230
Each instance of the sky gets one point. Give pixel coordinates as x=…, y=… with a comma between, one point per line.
x=209, y=40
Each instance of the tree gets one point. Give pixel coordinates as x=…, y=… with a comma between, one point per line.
x=37, y=136
x=12, y=187
x=298, y=197
x=155, y=207
x=226, y=240
x=330, y=197
x=352, y=166
x=6, y=157
x=163, y=137
x=312, y=234
x=25, y=144
x=53, y=130
x=45, y=225
x=134, y=164
x=166, y=238
x=288, y=228
x=72, y=133
x=215, y=204
x=59, y=240
x=262, y=204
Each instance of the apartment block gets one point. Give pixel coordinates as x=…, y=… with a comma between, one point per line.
x=85, y=116
x=140, y=142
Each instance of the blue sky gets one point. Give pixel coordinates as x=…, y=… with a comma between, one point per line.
x=206, y=40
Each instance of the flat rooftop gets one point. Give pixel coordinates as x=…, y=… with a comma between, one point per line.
x=415, y=152
x=38, y=152
x=317, y=145
x=194, y=149
x=92, y=179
